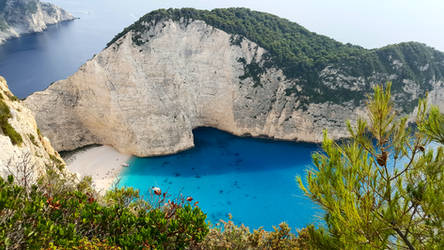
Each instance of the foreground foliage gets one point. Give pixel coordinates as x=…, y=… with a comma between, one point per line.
x=61, y=213
x=45, y=216
x=384, y=187
x=231, y=236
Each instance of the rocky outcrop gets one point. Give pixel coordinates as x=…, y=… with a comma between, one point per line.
x=22, y=146
x=145, y=99
x=19, y=17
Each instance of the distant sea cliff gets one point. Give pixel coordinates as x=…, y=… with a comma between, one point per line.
x=19, y=17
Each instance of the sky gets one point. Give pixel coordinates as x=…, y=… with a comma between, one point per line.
x=368, y=23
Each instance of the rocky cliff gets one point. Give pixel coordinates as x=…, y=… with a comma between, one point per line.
x=26, y=16
x=22, y=146
x=168, y=74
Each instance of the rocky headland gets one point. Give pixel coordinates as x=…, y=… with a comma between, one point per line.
x=176, y=70
x=19, y=17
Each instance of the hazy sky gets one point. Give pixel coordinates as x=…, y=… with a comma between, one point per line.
x=369, y=23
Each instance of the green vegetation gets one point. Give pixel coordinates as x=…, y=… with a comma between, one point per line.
x=11, y=96
x=302, y=54
x=252, y=70
x=55, y=214
x=5, y=127
x=32, y=138
x=384, y=188
x=57, y=162
x=60, y=213
x=231, y=236
x=236, y=40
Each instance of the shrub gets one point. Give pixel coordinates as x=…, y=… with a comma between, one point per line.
x=86, y=244
x=32, y=138
x=230, y=236
x=41, y=218
x=13, y=135
x=11, y=96
x=8, y=130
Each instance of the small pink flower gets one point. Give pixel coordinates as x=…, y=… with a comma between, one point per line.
x=157, y=191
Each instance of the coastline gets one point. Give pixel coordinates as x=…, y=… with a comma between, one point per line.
x=103, y=163
x=5, y=37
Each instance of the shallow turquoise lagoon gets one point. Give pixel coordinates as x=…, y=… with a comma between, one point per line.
x=252, y=179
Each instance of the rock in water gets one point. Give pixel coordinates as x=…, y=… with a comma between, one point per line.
x=176, y=70
x=19, y=17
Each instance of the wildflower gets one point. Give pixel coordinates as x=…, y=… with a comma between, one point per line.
x=157, y=191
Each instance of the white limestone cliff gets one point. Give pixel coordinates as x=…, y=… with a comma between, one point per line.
x=35, y=152
x=146, y=99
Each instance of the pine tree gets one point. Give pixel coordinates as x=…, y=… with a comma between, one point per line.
x=383, y=188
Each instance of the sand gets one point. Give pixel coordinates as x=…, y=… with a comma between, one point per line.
x=102, y=163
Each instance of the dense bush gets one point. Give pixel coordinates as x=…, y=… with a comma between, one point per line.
x=45, y=216
x=8, y=130
x=231, y=236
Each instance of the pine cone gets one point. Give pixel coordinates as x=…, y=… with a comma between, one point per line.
x=382, y=158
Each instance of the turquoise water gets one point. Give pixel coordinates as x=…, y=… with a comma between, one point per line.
x=252, y=179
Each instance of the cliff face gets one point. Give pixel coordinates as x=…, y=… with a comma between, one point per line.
x=145, y=97
x=21, y=143
x=26, y=16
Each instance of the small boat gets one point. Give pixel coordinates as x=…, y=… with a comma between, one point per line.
x=125, y=165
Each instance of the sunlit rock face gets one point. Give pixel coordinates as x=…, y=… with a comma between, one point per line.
x=145, y=98
x=35, y=152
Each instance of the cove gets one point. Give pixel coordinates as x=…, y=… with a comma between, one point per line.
x=253, y=179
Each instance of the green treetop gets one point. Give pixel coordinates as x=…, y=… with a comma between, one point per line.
x=384, y=187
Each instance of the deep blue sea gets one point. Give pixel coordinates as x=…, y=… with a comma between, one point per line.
x=253, y=179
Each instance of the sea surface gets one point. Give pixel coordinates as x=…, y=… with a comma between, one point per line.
x=253, y=179
x=32, y=62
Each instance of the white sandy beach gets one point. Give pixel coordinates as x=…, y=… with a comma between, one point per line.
x=102, y=163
